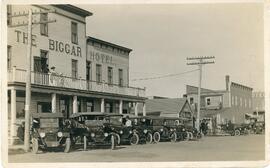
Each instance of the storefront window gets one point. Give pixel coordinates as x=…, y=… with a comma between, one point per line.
x=89, y=106
x=44, y=107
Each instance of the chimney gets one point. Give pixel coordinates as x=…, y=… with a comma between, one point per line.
x=227, y=80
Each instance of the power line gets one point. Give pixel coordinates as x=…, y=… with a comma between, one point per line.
x=164, y=76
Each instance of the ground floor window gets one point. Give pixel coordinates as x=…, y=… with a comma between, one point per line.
x=109, y=108
x=44, y=107
x=89, y=106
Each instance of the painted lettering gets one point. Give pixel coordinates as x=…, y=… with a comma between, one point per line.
x=51, y=44
x=61, y=47
x=67, y=49
x=79, y=53
x=73, y=51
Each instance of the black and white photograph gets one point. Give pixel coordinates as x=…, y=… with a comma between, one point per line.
x=135, y=84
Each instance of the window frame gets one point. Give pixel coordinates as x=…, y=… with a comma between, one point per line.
x=44, y=27
x=110, y=75
x=74, y=76
x=74, y=39
x=121, y=77
x=99, y=73
x=9, y=54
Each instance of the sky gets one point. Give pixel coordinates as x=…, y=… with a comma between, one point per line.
x=162, y=36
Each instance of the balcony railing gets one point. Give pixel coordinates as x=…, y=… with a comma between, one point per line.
x=19, y=75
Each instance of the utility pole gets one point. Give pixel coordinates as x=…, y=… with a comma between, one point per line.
x=200, y=61
x=28, y=67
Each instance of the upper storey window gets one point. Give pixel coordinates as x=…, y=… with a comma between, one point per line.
x=43, y=24
x=9, y=13
x=74, y=32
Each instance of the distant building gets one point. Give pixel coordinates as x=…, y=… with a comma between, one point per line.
x=234, y=103
x=258, y=100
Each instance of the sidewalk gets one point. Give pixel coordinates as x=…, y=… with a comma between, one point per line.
x=15, y=149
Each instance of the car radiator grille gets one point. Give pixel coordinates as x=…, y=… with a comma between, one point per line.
x=51, y=137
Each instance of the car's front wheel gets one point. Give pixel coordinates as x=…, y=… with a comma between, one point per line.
x=134, y=140
x=67, y=145
x=173, y=137
x=237, y=132
x=149, y=138
x=156, y=137
x=118, y=139
x=35, y=145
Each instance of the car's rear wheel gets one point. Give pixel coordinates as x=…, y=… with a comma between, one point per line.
x=149, y=138
x=84, y=142
x=237, y=133
x=173, y=137
x=134, y=140
x=35, y=145
x=67, y=145
x=156, y=137
x=191, y=135
x=187, y=138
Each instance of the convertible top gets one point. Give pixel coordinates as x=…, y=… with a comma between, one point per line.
x=47, y=115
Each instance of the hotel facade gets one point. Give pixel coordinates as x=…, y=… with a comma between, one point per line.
x=70, y=72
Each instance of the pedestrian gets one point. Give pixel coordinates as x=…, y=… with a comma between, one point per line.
x=20, y=132
x=128, y=122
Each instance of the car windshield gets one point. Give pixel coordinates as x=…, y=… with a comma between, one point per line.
x=115, y=120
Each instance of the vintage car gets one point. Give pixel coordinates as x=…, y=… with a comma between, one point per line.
x=141, y=125
x=92, y=128
x=162, y=130
x=242, y=129
x=258, y=127
x=49, y=130
x=124, y=134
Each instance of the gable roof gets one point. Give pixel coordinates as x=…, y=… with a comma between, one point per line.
x=166, y=106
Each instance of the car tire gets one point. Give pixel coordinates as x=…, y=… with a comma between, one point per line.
x=35, y=145
x=84, y=143
x=173, y=137
x=134, y=139
x=187, y=138
x=113, y=142
x=156, y=137
x=237, y=133
x=149, y=138
x=190, y=135
x=67, y=145
x=118, y=139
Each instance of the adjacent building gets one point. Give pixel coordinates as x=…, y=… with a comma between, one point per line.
x=258, y=100
x=70, y=72
x=234, y=103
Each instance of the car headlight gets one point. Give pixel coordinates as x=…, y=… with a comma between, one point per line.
x=92, y=134
x=106, y=134
x=239, y=128
x=145, y=131
x=171, y=129
x=161, y=129
x=245, y=128
x=121, y=132
x=183, y=129
x=174, y=129
x=130, y=132
x=59, y=134
x=42, y=134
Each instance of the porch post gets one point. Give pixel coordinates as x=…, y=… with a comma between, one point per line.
x=13, y=116
x=144, y=109
x=102, y=108
x=121, y=107
x=54, y=103
x=75, y=104
x=136, y=109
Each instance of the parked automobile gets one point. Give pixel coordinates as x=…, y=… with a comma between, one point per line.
x=142, y=128
x=93, y=129
x=242, y=129
x=49, y=130
x=258, y=127
x=124, y=134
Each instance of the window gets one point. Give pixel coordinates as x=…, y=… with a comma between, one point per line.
x=208, y=101
x=240, y=101
x=74, y=32
x=9, y=13
x=44, y=107
x=249, y=103
x=40, y=63
x=191, y=100
x=232, y=100
x=120, y=73
x=110, y=75
x=89, y=106
x=88, y=70
x=98, y=73
x=44, y=26
x=9, y=57
x=109, y=108
x=74, y=68
x=245, y=103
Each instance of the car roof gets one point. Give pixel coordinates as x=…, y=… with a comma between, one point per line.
x=47, y=115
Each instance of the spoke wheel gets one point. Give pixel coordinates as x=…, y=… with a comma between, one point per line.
x=134, y=140
x=67, y=145
x=35, y=145
x=237, y=133
x=113, y=142
x=173, y=137
x=156, y=137
x=149, y=138
x=118, y=139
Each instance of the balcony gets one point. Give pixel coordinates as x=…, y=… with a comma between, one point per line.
x=44, y=79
